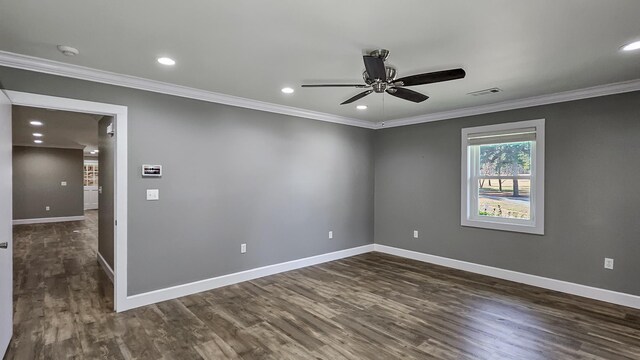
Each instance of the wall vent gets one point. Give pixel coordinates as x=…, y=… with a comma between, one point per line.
x=494, y=90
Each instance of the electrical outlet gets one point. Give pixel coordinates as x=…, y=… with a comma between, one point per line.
x=243, y=248
x=47, y=208
x=415, y=234
x=608, y=263
x=331, y=234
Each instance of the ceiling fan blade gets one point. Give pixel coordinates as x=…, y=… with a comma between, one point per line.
x=407, y=94
x=357, y=97
x=375, y=67
x=359, y=86
x=432, y=77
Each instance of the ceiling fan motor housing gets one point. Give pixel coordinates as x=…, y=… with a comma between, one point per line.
x=379, y=86
x=391, y=76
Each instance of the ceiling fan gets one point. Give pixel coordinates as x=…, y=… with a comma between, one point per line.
x=380, y=78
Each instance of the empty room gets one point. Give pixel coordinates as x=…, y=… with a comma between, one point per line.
x=420, y=179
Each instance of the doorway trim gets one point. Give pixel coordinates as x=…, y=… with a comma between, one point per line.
x=119, y=114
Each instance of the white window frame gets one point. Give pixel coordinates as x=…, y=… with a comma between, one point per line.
x=468, y=207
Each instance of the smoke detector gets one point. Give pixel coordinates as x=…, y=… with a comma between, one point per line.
x=68, y=50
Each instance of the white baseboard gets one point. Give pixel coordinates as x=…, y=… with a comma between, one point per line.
x=107, y=269
x=613, y=297
x=174, y=292
x=47, y=220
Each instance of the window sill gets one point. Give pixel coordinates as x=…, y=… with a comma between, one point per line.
x=494, y=225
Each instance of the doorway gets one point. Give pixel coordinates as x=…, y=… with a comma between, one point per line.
x=113, y=215
x=56, y=156
x=117, y=129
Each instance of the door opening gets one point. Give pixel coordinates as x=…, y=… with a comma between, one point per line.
x=112, y=133
x=116, y=116
x=62, y=237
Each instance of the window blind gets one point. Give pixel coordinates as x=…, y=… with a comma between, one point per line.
x=506, y=136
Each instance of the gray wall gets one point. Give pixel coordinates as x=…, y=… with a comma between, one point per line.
x=592, y=194
x=279, y=183
x=106, y=163
x=231, y=176
x=37, y=174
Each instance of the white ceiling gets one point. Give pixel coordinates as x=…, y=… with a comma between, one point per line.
x=254, y=48
x=60, y=129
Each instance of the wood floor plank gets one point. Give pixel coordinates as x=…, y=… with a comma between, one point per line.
x=372, y=306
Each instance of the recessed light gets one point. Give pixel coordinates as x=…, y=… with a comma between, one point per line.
x=361, y=107
x=166, y=61
x=287, y=90
x=632, y=46
x=37, y=134
x=35, y=123
x=37, y=141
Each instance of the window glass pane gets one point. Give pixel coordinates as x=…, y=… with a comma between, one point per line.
x=504, y=181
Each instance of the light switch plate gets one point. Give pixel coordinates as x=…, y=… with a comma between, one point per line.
x=63, y=183
x=608, y=263
x=153, y=194
x=331, y=234
x=243, y=248
x=415, y=234
x=47, y=208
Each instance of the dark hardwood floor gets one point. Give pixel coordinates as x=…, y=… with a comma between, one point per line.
x=372, y=306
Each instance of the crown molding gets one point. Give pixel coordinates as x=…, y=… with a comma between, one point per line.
x=590, y=92
x=46, y=66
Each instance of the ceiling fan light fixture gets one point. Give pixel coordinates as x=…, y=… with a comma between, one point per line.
x=631, y=46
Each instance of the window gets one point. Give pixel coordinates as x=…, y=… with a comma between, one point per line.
x=503, y=177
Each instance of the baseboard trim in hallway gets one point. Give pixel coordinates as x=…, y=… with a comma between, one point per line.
x=107, y=269
x=609, y=296
x=47, y=220
x=178, y=291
